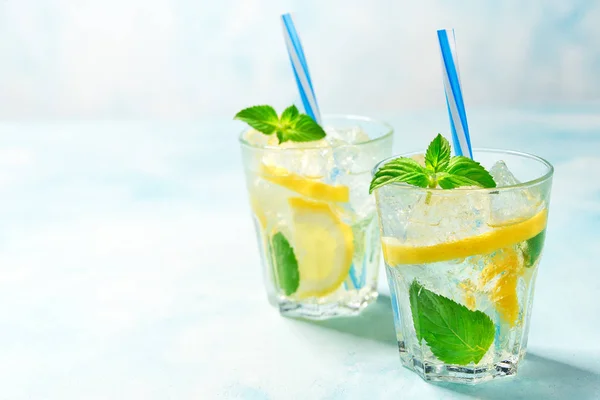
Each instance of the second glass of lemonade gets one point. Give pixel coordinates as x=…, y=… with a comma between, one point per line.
x=316, y=223
x=461, y=266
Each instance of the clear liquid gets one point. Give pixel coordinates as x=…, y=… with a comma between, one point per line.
x=335, y=162
x=479, y=283
x=362, y=278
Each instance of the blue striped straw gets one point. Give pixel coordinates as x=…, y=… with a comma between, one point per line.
x=309, y=100
x=300, y=67
x=454, y=97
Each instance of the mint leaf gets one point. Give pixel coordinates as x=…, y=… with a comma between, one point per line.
x=286, y=264
x=447, y=181
x=289, y=115
x=401, y=169
x=280, y=136
x=262, y=118
x=440, y=169
x=437, y=156
x=455, y=334
x=303, y=129
x=292, y=126
x=533, y=248
x=468, y=171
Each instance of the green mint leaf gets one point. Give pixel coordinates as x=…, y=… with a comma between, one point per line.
x=289, y=115
x=292, y=126
x=401, y=169
x=262, y=118
x=455, y=334
x=286, y=264
x=280, y=136
x=303, y=129
x=440, y=169
x=469, y=171
x=437, y=156
x=533, y=248
x=447, y=181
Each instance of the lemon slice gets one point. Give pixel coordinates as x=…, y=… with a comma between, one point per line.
x=502, y=272
x=323, y=245
x=505, y=298
x=396, y=252
x=309, y=187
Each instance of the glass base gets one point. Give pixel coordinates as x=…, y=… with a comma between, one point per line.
x=439, y=372
x=350, y=305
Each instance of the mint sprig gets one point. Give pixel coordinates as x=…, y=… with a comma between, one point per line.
x=290, y=126
x=455, y=334
x=440, y=170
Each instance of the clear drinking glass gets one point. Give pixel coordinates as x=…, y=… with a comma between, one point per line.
x=461, y=266
x=315, y=222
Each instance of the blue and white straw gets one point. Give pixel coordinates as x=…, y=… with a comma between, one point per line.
x=454, y=97
x=309, y=101
x=300, y=67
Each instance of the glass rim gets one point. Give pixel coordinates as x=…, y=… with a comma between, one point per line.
x=389, y=132
x=532, y=182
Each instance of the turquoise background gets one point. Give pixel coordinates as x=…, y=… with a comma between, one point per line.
x=128, y=263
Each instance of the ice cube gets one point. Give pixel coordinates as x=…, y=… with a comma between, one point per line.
x=343, y=140
x=310, y=159
x=509, y=204
x=305, y=145
x=331, y=158
x=350, y=156
x=447, y=215
x=353, y=164
x=354, y=135
x=502, y=175
x=259, y=139
x=344, y=156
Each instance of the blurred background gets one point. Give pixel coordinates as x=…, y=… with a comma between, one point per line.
x=191, y=59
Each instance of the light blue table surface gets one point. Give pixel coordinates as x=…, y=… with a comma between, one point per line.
x=129, y=270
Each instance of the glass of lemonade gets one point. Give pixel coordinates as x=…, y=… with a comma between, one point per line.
x=461, y=266
x=316, y=223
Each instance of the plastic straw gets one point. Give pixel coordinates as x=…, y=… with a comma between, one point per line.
x=300, y=67
x=309, y=100
x=454, y=97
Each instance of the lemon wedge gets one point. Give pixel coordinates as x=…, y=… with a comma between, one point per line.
x=323, y=245
x=309, y=187
x=397, y=253
x=502, y=271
